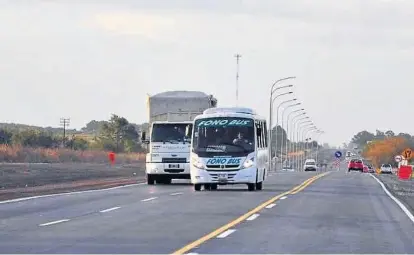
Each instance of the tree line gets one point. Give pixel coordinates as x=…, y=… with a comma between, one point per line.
x=116, y=134
x=381, y=147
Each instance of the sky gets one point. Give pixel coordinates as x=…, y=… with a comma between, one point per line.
x=84, y=59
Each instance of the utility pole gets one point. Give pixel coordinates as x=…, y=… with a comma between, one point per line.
x=64, y=122
x=237, y=56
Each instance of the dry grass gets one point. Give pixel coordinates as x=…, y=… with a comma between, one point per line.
x=18, y=154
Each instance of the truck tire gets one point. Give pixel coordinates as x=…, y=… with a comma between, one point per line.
x=259, y=185
x=150, y=179
x=214, y=186
x=197, y=187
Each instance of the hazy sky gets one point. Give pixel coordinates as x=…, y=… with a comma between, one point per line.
x=87, y=59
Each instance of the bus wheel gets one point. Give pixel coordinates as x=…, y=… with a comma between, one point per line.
x=214, y=186
x=197, y=187
x=207, y=186
x=251, y=186
x=259, y=185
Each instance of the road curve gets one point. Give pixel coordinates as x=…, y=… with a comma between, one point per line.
x=337, y=213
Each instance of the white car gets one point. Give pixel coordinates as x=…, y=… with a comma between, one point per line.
x=310, y=165
x=386, y=169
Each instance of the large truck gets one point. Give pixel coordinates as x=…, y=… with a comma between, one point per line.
x=171, y=116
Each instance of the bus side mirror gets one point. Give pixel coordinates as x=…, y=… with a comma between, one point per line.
x=143, y=137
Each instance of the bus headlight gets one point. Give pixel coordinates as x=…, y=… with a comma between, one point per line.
x=248, y=163
x=197, y=163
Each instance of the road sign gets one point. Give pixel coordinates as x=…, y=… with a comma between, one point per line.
x=408, y=154
x=338, y=154
x=398, y=158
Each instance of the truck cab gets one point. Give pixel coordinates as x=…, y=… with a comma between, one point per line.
x=168, y=156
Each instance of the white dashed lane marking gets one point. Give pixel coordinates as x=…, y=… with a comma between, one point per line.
x=253, y=217
x=110, y=209
x=176, y=194
x=283, y=197
x=226, y=233
x=149, y=199
x=53, y=222
x=270, y=206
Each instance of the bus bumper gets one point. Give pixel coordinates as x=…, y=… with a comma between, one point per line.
x=242, y=176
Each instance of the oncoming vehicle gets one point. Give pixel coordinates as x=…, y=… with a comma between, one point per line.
x=310, y=165
x=229, y=146
x=355, y=164
x=386, y=169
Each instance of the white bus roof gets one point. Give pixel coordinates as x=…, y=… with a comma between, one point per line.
x=230, y=112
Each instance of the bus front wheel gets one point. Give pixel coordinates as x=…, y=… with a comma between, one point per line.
x=197, y=187
x=259, y=185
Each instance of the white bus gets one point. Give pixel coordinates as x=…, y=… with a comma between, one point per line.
x=229, y=146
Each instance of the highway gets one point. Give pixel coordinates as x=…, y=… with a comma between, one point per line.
x=336, y=213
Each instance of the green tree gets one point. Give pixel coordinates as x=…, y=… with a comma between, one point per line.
x=118, y=134
x=5, y=136
x=361, y=138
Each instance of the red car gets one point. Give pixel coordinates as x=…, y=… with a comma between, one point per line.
x=355, y=165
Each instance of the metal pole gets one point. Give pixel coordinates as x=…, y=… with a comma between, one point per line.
x=281, y=146
x=272, y=90
x=310, y=130
x=277, y=119
x=237, y=56
x=295, y=121
x=287, y=130
x=305, y=139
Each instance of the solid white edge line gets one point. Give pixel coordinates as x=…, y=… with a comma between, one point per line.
x=67, y=193
x=53, y=222
x=177, y=193
x=226, y=233
x=110, y=209
x=284, y=197
x=253, y=217
x=398, y=202
x=148, y=199
x=270, y=206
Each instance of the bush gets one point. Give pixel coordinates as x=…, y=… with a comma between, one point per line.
x=19, y=154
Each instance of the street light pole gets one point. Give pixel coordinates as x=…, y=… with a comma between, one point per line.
x=295, y=120
x=299, y=127
x=277, y=119
x=273, y=89
x=287, y=128
x=317, y=143
x=283, y=117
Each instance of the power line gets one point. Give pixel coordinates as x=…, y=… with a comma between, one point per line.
x=237, y=56
x=64, y=122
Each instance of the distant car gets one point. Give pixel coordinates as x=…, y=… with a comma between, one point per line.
x=369, y=168
x=386, y=169
x=355, y=165
x=310, y=165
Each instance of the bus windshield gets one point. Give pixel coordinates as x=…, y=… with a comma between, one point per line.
x=170, y=132
x=223, y=136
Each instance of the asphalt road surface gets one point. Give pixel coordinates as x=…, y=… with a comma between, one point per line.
x=336, y=213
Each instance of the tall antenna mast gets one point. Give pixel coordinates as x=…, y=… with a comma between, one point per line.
x=237, y=56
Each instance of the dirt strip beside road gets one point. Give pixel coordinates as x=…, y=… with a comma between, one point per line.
x=22, y=180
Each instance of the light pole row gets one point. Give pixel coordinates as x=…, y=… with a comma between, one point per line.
x=302, y=126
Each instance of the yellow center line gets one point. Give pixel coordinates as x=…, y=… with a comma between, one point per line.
x=233, y=223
